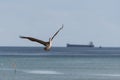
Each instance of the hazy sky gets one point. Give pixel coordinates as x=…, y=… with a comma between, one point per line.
x=84, y=21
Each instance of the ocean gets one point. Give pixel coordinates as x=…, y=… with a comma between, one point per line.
x=61, y=63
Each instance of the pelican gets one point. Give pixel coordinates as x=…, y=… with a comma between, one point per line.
x=47, y=45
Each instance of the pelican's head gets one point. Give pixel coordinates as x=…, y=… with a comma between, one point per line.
x=50, y=42
x=50, y=39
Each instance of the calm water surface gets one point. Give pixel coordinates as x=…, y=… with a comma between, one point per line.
x=59, y=67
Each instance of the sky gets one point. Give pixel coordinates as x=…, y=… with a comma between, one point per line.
x=84, y=21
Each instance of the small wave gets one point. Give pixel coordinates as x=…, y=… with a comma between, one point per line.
x=32, y=71
x=110, y=75
x=41, y=72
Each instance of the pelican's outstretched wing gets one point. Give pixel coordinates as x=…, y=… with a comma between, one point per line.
x=35, y=40
x=56, y=32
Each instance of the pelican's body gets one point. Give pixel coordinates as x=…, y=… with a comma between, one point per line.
x=47, y=45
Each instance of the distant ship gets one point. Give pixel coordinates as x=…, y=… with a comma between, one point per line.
x=81, y=45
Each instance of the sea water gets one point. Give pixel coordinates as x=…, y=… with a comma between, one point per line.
x=18, y=67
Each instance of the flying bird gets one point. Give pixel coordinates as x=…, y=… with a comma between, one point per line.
x=47, y=45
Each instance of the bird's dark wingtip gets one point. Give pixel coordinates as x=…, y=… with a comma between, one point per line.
x=21, y=37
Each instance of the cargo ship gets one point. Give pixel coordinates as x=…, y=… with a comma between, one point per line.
x=81, y=45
